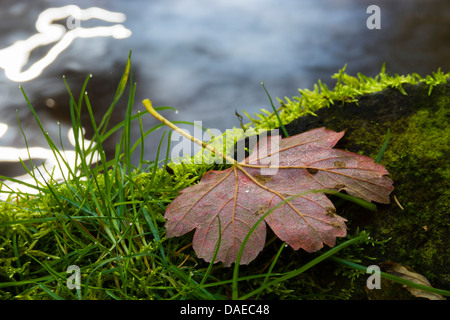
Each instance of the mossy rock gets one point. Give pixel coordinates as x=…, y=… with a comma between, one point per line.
x=417, y=220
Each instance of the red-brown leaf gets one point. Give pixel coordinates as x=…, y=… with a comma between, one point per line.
x=242, y=193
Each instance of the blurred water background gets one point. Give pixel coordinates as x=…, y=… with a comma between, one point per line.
x=205, y=58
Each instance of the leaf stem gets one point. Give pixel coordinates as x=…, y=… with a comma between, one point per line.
x=148, y=105
x=383, y=148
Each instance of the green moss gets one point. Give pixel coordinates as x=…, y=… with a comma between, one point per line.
x=347, y=89
x=418, y=162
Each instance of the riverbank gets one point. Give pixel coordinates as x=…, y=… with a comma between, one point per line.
x=105, y=221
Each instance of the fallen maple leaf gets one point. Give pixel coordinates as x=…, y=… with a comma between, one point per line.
x=239, y=196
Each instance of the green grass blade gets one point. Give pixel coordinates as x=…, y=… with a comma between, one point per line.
x=216, y=251
x=276, y=112
x=272, y=265
x=384, y=147
x=155, y=233
x=50, y=292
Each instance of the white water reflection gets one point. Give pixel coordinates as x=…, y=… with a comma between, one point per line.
x=16, y=56
x=3, y=128
x=51, y=169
